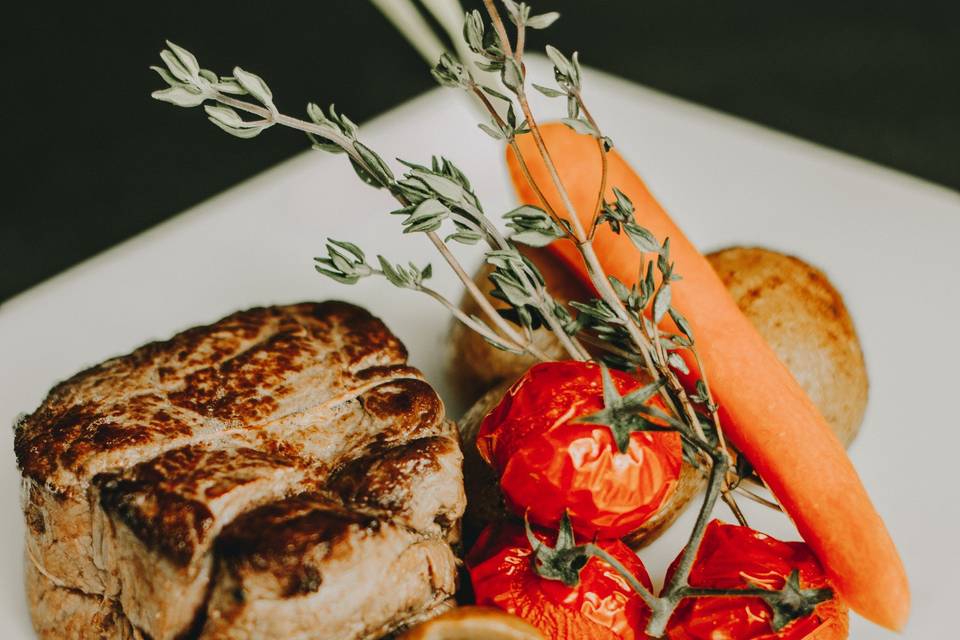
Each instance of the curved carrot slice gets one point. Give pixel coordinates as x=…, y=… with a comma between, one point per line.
x=763, y=410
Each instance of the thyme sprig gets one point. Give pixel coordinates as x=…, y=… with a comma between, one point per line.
x=624, y=325
x=192, y=86
x=642, y=335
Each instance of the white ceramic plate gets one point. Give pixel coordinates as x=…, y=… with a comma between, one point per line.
x=886, y=240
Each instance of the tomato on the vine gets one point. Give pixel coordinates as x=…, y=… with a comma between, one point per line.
x=732, y=557
x=549, y=463
x=602, y=606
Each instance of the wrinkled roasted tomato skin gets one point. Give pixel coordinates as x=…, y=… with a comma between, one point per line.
x=602, y=606
x=547, y=463
x=728, y=555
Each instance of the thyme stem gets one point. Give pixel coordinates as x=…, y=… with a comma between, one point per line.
x=521, y=40
x=672, y=386
x=756, y=497
x=594, y=269
x=728, y=496
x=498, y=25
x=604, y=164
x=599, y=343
x=485, y=101
x=570, y=343
x=330, y=134
x=501, y=30
x=713, y=405
x=472, y=323
x=731, y=502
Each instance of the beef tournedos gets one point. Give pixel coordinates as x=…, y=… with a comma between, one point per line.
x=280, y=473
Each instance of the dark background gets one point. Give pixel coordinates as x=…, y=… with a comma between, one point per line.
x=90, y=159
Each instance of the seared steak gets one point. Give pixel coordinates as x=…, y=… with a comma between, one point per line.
x=293, y=567
x=281, y=472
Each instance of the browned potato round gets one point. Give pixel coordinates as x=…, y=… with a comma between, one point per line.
x=802, y=316
x=474, y=623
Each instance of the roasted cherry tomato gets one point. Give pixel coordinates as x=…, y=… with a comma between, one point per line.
x=728, y=557
x=602, y=606
x=548, y=463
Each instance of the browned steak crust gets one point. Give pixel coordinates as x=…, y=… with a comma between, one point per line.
x=137, y=474
x=317, y=564
x=251, y=368
x=168, y=502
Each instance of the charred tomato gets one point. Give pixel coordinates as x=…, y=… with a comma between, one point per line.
x=549, y=463
x=602, y=606
x=732, y=557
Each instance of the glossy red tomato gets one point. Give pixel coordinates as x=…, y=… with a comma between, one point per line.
x=729, y=556
x=548, y=463
x=602, y=606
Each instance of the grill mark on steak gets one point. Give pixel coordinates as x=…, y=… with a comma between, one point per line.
x=206, y=378
x=383, y=477
x=413, y=399
x=166, y=501
x=275, y=537
x=233, y=389
x=410, y=480
x=159, y=501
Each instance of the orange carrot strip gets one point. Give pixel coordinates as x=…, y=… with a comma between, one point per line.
x=763, y=410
